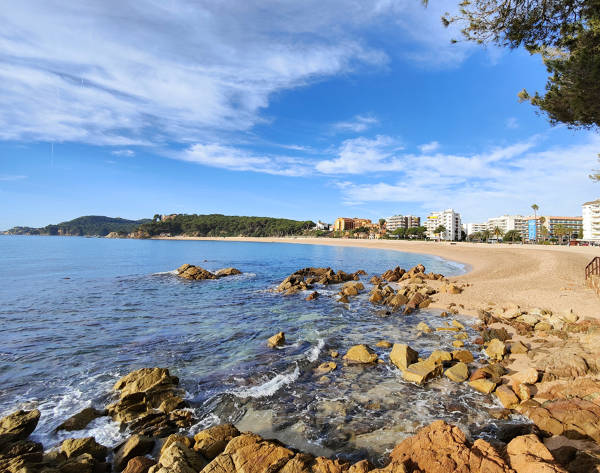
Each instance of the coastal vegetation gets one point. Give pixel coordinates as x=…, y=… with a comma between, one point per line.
x=217, y=225
x=91, y=225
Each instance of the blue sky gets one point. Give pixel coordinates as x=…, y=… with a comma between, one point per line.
x=306, y=110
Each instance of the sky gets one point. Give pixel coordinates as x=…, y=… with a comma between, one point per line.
x=306, y=110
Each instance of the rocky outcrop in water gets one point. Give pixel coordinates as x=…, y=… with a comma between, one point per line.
x=196, y=273
x=303, y=279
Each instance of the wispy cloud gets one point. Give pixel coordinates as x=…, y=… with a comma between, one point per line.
x=512, y=123
x=13, y=177
x=358, y=124
x=429, y=147
x=123, y=152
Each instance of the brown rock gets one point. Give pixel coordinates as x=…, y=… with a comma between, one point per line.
x=81, y=419
x=527, y=376
x=564, y=364
x=325, y=368
x=134, y=446
x=312, y=296
x=518, y=348
x=463, y=355
x=20, y=424
x=144, y=380
x=442, y=448
x=361, y=354
x=76, y=447
x=221, y=273
x=212, y=441
x=496, y=349
x=171, y=439
x=178, y=458
x=139, y=465
x=528, y=455
x=383, y=344
x=507, y=397
x=423, y=327
x=458, y=373
x=276, y=340
x=402, y=356
x=483, y=385
x=439, y=357
x=421, y=372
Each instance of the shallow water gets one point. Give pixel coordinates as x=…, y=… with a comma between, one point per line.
x=78, y=313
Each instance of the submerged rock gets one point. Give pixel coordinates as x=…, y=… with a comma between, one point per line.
x=276, y=340
x=421, y=372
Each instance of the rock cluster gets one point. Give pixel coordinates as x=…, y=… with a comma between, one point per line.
x=150, y=403
x=303, y=279
x=189, y=271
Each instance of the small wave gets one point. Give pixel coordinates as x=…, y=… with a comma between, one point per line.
x=164, y=273
x=270, y=387
x=314, y=352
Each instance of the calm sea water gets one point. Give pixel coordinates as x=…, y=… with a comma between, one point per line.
x=78, y=313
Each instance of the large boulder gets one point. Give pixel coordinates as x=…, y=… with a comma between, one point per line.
x=20, y=424
x=421, y=372
x=361, y=354
x=211, y=442
x=458, y=373
x=189, y=271
x=178, y=458
x=221, y=273
x=139, y=465
x=496, y=349
x=144, y=380
x=443, y=448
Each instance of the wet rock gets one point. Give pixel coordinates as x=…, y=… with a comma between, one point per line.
x=402, y=356
x=457, y=324
x=178, y=458
x=421, y=372
x=171, y=404
x=183, y=439
x=80, y=420
x=496, y=349
x=442, y=448
x=383, y=344
x=439, y=357
x=344, y=299
x=483, y=385
x=414, y=302
x=144, y=380
x=88, y=445
x=393, y=275
x=326, y=367
x=312, y=296
x=189, y=271
x=221, y=273
x=458, y=344
x=19, y=425
x=139, y=465
x=361, y=354
x=352, y=288
x=136, y=445
x=212, y=441
x=423, y=327
x=528, y=455
x=276, y=340
x=462, y=355
x=376, y=297
x=334, y=353
x=507, y=397
x=458, y=373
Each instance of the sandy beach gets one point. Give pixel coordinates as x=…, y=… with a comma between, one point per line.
x=497, y=274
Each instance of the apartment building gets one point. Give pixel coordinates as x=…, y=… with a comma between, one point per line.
x=545, y=226
x=471, y=228
x=506, y=223
x=591, y=220
x=343, y=224
x=402, y=221
x=451, y=222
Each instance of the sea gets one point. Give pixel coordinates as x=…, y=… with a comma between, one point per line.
x=78, y=313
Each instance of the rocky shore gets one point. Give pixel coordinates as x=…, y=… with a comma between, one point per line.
x=535, y=362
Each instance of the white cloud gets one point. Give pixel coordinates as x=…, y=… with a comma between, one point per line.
x=504, y=179
x=429, y=147
x=363, y=155
x=236, y=159
x=358, y=124
x=123, y=152
x=145, y=73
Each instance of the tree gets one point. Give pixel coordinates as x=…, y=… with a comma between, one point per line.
x=485, y=235
x=535, y=208
x=381, y=222
x=498, y=232
x=566, y=33
x=512, y=235
x=560, y=231
x=400, y=232
x=439, y=230
x=595, y=176
x=156, y=218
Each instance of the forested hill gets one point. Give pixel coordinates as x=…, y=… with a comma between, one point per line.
x=217, y=225
x=91, y=225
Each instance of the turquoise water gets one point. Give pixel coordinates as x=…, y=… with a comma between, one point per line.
x=77, y=313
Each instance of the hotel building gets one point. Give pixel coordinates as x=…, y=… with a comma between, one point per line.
x=591, y=220
x=402, y=221
x=451, y=222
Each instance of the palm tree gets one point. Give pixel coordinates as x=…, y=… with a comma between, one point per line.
x=543, y=229
x=498, y=232
x=560, y=231
x=485, y=235
x=512, y=235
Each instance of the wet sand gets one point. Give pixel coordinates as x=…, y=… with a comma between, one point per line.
x=549, y=277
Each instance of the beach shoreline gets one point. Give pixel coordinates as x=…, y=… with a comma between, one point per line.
x=496, y=275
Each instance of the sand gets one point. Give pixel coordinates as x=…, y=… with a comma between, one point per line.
x=549, y=277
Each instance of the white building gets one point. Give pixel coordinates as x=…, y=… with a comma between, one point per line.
x=322, y=225
x=451, y=222
x=471, y=228
x=591, y=220
x=507, y=223
x=401, y=221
